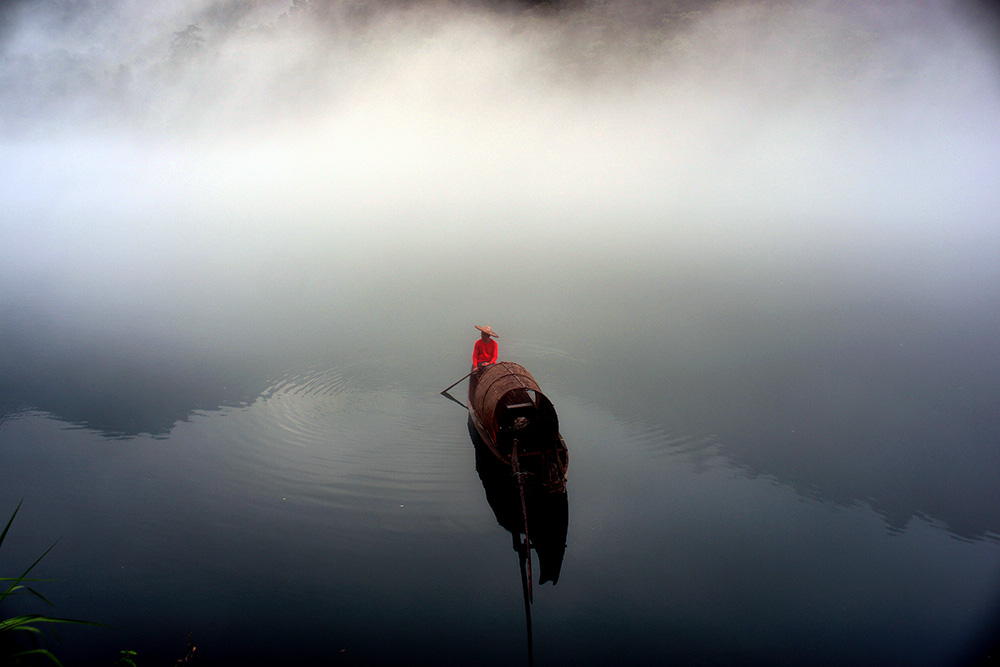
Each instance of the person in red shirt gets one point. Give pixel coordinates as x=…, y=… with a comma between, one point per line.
x=486, y=349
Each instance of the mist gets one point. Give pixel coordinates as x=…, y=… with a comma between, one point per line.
x=206, y=162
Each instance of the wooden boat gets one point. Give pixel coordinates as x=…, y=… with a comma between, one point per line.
x=522, y=459
x=518, y=424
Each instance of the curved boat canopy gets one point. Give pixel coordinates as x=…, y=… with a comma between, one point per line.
x=506, y=385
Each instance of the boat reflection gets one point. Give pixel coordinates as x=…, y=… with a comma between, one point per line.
x=540, y=524
x=548, y=513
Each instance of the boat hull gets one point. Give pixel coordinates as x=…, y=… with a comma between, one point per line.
x=518, y=424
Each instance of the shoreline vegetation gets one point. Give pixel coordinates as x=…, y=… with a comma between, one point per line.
x=25, y=637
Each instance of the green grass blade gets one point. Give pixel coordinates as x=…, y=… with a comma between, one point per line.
x=29, y=621
x=39, y=596
x=37, y=626
x=10, y=521
x=39, y=651
x=22, y=623
x=24, y=575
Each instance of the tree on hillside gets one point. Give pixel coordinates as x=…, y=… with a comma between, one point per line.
x=186, y=43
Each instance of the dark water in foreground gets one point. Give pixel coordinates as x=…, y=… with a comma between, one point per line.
x=757, y=476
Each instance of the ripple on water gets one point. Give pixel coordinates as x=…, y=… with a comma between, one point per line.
x=638, y=433
x=331, y=436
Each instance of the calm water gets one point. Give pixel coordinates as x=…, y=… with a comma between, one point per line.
x=792, y=484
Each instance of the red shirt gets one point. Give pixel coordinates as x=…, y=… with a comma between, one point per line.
x=485, y=351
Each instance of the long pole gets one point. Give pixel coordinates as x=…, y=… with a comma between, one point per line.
x=459, y=380
x=515, y=464
x=524, y=551
x=525, y=556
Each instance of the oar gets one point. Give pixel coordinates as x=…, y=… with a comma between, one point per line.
x=459, y=380
x=452, y=398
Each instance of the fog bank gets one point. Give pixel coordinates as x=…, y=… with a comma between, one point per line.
x=264, y=148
